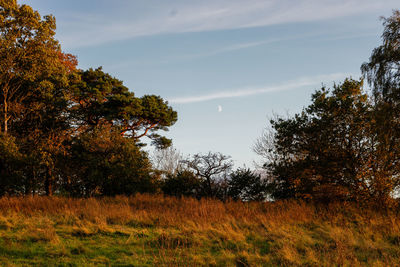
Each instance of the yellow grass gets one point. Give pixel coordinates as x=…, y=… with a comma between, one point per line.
x=149, y=230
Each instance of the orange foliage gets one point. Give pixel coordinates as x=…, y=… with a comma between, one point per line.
x=68, y=60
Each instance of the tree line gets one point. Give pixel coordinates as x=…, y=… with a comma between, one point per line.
x=346, y=144
x=207, y=175
x=81, y=133
x=65, y=130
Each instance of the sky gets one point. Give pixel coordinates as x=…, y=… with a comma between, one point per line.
x=226, y=66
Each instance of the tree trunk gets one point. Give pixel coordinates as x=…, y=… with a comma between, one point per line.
x=209, y=189
x=49, y=188
x=49, y=183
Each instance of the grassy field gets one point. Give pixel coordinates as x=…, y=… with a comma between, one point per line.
x=160, y=231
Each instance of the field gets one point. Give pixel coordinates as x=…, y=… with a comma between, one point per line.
x=160, y=231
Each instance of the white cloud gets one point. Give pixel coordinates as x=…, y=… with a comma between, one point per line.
x=249, y=91
x=122, y=19
x=184, y=57
x=231, y=48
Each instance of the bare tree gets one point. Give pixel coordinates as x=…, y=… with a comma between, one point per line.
x=212, y=168
x=264, y=146
x=168, y=160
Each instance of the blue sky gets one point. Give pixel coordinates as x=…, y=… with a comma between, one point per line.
x=226, y=66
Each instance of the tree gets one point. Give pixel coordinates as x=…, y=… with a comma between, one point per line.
x=181, y=183
x=245, y=185
x=383, y=74
x=108, y=122
x=100, y=99
x=383, y=69
x=212, y=169
x=29, y=57
x=168, y=161
x=51, y=114
x=11, y=164
x=33, y=89
x=326, y=151
x=105, y=163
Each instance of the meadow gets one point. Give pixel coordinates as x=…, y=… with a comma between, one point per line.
x=148, y=230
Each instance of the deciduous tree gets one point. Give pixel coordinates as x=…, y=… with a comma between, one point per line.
x=321, y=152
x=212, y=169
x=29, y=58
x=383, y=74
x=246, y=185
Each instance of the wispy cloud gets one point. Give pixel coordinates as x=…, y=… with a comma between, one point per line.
x=249, y=91
x=122, y=19
x=190, y=56
x=231, y=48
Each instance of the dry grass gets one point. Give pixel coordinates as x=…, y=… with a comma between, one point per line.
x=149, y=230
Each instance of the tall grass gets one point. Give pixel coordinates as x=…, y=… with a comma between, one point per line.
x=149, y=230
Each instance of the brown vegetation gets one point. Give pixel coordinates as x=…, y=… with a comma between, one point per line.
x=175, y=232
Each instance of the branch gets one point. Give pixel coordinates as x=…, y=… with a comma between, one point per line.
x=145, y=132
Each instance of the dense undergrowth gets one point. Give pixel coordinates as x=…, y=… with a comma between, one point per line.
x=151, y=230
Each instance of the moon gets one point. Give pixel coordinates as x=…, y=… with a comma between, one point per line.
x=219, y=108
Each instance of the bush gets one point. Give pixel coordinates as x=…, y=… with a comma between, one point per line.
x=184, y=183
x=247, y=186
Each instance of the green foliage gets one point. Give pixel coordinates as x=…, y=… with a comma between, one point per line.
x=10, y=166
x=383, y=70
x=104, y=163
x=183, y=183
x=247, y=186
x=33, y=91
x=65, y=130
x=80, y=133
x=323, y=152
x=383, y=74
x=29, y=60
x=345, y=144
x=100, y=99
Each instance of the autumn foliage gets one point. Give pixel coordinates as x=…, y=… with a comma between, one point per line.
x=64, y=130
x=345, y=144
x=80, y=133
